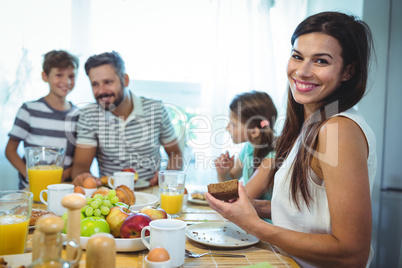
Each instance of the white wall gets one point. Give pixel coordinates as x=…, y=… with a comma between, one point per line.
x=347, y=6
x=376, y=14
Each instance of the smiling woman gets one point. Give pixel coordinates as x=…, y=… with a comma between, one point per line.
x=326, y=162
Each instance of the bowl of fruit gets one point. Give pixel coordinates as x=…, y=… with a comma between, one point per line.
x=106, y=214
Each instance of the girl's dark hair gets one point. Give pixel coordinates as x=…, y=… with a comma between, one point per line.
x=354, y=37
x=59, y=59
x=251, y=109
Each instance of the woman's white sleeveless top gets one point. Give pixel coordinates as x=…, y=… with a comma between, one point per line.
x=317, y=219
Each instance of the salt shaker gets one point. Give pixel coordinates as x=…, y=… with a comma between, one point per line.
x=101, y=251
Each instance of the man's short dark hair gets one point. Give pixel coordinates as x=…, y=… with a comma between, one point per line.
x=113, y=58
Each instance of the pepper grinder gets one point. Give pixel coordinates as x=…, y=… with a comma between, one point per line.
x=73, y=203
x=36, y=244
x=101, y=251
x=49, y=243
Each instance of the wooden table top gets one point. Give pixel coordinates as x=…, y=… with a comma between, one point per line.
x=262, y=252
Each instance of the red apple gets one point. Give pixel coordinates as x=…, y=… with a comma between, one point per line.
x=115, y=219
x=154, y=213
x=133, y=224
x=133, y=171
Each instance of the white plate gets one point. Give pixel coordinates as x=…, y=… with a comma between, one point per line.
x=141, y=184
x=144, y=199
x=39, y=210
x=197, y=201
x=122, y=244
x=220, y=234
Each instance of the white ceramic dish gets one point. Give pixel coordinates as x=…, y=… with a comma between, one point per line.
x=220, y=234
x=44, y=211
x=89, y=192
x=122, y=244
x=140, y=184
x=197, y=201
x=144, y=199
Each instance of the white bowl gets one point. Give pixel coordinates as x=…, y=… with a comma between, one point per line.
x=122, y=244
x=142, y=200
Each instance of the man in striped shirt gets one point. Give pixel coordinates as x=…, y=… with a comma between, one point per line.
x=121, y=130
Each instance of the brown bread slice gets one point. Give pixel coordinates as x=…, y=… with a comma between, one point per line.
x=224, y=190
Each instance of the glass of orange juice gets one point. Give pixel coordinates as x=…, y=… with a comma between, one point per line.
x=171, y=190
x=44, y=167
x=15, y=212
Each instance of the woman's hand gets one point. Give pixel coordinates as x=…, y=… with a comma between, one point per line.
x=241, y=212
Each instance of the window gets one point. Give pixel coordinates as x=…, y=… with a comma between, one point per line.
x=194, y=54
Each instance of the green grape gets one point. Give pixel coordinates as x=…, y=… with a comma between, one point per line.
x=89, y=212
x=107, y=203
x=84, y=208
x=105, y=211
x=89, y=200
x=106, y=197
x=114, y=199
x=94, y=204
x=98, y=196
x=97, y=212
x=99, y=201
x=111, y=193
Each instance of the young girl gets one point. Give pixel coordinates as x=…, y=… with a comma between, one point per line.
x=325, y=160
x=252, y=116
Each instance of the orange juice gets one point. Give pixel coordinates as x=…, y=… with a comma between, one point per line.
x=13, y=234
x=41, y=176
x=171, y=202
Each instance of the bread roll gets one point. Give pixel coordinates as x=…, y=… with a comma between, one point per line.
x=104, y=191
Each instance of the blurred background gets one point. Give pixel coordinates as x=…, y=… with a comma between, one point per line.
x=195, y=56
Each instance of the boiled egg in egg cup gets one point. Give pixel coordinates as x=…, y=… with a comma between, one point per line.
x=157, y=258
x=89, y=186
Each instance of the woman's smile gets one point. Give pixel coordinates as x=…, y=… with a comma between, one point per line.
x=303, y=86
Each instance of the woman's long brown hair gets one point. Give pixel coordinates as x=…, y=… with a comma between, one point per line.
x=251, y=108
x=354, y=37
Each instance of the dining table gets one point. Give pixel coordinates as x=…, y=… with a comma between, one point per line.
x=259, y=254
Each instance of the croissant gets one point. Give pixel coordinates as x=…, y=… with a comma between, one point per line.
x=124, y=193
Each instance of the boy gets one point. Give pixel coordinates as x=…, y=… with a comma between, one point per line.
x=51, y=120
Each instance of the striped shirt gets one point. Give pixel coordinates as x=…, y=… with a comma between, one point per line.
x=38, y=124
x=131, y=143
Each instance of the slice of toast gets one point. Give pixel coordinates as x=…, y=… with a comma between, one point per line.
x=224, y=190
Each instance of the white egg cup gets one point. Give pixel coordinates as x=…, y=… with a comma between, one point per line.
x=89, y=191
x=153, y=264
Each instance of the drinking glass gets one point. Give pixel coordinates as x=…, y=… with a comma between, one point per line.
x=171, y=190
x=15, y=212
x=44, y=167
